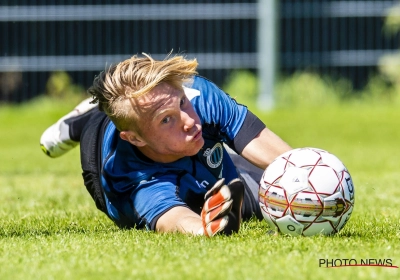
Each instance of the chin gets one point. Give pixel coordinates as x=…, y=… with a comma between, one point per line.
x=195, y=151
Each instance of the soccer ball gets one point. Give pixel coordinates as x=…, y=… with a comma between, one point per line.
x=306, y=191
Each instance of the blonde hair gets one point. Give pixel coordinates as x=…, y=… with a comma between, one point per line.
x=116, y=88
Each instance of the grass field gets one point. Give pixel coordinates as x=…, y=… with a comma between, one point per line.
x=50, y=228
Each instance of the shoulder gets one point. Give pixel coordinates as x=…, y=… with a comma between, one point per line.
x=207, y=96
x=200, y=86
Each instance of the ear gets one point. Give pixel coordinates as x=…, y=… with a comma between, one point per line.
x=132, y=138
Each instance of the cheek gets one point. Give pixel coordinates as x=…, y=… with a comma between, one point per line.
x=192, y=113
x=196, y=117
x=170, y=139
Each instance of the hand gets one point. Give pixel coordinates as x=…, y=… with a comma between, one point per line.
x=222, y=209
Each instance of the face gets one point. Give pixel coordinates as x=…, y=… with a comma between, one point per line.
x=170, y=128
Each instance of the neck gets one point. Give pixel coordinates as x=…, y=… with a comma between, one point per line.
x=157, y=157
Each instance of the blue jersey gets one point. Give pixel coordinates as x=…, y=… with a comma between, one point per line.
x=138, y=190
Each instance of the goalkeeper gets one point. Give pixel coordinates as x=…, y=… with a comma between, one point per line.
x=165, y=149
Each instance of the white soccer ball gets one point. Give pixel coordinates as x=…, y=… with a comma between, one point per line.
x=306, y=191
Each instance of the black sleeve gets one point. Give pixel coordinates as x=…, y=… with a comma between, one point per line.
x=251, y=127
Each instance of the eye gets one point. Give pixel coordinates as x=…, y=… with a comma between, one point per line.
x=166, y=120
x=183, y=101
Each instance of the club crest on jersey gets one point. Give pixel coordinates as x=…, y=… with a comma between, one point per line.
x=214, y=155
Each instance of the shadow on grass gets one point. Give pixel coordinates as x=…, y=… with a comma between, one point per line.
x=37, y=229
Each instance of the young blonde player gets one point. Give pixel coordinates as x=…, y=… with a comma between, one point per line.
x=167, y=150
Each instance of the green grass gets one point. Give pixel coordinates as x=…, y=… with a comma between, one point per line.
x=50, y=228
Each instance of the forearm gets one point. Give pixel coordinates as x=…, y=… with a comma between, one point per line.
x=179, y=219
x=221, y=212
x=189, y=225
x=263, y=149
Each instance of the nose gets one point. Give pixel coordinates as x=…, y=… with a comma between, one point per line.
x=187, y=120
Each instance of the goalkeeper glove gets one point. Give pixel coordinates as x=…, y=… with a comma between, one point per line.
x=222, y=208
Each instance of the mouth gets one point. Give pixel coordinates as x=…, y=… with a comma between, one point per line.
x=197, y=136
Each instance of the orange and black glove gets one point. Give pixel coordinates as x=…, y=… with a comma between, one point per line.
x=222, y=208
